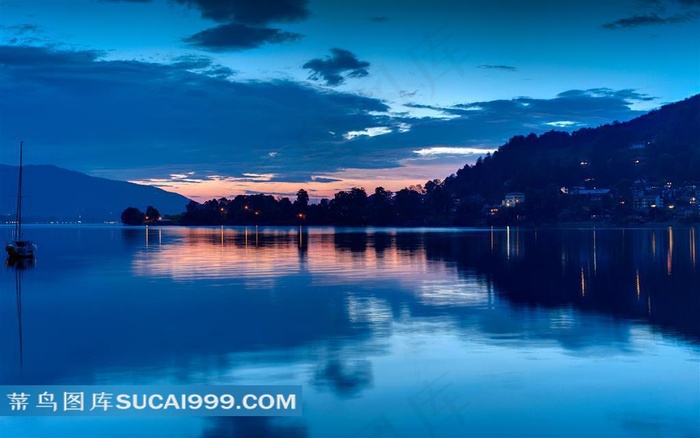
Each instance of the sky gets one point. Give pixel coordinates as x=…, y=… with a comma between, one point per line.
x=215, y=98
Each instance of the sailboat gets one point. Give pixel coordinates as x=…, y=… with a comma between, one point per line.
x=19, y=248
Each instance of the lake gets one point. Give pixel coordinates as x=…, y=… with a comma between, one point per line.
x=390, y=332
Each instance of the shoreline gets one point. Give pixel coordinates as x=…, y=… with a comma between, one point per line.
x=557, y=225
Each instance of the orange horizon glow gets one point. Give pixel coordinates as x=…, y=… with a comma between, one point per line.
x=391, y=179
x=260, y=259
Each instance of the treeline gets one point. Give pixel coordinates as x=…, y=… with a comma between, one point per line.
x=134, y=216
x=411, y=206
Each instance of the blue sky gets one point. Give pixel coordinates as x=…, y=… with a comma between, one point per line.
x=217, y=98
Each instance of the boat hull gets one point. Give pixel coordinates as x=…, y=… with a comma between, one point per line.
x=21, y=249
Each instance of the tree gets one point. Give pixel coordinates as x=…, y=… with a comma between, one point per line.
x=348, y=207
x=302, y=200
x=152, y=214
x=408, y=204
x=380, y=210
x=132, y=216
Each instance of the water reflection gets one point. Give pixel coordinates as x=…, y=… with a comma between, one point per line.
x=355, y=314
x=254, y=427
x=692, y=248
x=18, y=267
x=345, y=378
x=609, y=266
x=613, y=271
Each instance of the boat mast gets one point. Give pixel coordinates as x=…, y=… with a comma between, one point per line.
x=18, y=225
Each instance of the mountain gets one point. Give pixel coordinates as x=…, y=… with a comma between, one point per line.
x=656, y=150
x=53, y=193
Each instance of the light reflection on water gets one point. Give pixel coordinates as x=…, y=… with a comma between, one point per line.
x=496, y=332
x=244, y=253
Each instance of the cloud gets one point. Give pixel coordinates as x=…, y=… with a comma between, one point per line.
x=234, y=36
x=192, y=62
x=320, y=179
x=562, y=124
x=24, y=34
x=204, y=65
x=335, y=68
x=244, y=22
x=497, y=67
x=369, y=132
x=251, y=12
x=22, y=29
x=258, y=177
x=428, y=152
x=220, y=72
x=80, y=111
x=245, y=11
x=379, y=19
x=489, y=124
x=658, y=13
x=141, y=121
x=651, y=19
x=627, y=95
x=42, y=57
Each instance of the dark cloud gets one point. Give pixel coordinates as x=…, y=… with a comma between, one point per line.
x=251, y=12
x=192, y=62
x=628, y=96
x=244, y=22
x=497, y=67
x=24, y=34
x=254, y=12
x=22, y=29
x=492, y=123
x=146, y=120
x=234, y=36
x=649, y=20
x=335, y=68
x=326, y=180
x=202, y=64
x=220, y=72
x=430, y=107
x=379, y=19
x=82, y=112
x=21, y=56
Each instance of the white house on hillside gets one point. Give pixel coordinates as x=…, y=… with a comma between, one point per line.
x=512, y=199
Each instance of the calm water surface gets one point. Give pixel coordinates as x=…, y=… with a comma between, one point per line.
x=391, y=333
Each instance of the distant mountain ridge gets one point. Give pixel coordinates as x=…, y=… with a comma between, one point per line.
x=53, y=193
